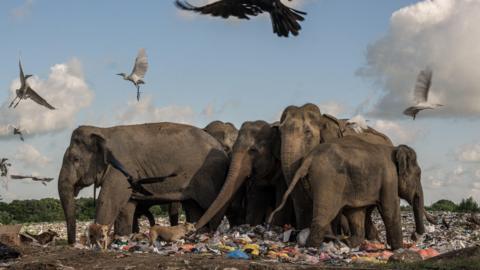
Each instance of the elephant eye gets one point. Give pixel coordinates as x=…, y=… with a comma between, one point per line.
x=253, y=149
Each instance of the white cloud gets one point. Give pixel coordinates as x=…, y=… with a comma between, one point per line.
x=459, y=170
x=398, y=133
x=144, y=112
x=31, y=157
x=469, y=153
x=22, y=11
x=65, y=89
x=209, y=111
x=442, y=34
x=332, y=108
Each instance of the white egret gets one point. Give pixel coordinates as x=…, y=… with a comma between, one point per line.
x=138, y=72
x=422, y=88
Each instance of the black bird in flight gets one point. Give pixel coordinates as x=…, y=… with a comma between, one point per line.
x=17, y=131
x=26, y=92
x=284, y=19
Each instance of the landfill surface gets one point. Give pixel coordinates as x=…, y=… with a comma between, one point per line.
x=253, y=245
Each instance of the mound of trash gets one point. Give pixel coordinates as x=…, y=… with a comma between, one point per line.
x=454, y=231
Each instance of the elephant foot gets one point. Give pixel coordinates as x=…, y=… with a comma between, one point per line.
x=315, y=238
x=354, y=241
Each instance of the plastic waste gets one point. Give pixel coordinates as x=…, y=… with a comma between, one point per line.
x=238, y=254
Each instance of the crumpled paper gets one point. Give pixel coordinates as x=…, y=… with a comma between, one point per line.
x=278, y=244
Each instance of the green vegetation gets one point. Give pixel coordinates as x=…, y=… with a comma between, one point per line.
x=466, y=205
x=444, y=205
x=50, y=210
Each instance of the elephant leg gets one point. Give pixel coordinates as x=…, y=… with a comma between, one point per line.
x=339, y=225
x=286, y=215
x=173, y=213
x=135, y=223
x=390, y=212
x=259, y=202
x=236, y=212
x=193, y=211
x=356, y=220
x=124, y=220
x=302, y=207
x=150, y=217
x=113, y=198
x=370, y=229
x=326, y=206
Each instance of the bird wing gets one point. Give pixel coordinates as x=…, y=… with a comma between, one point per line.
x=141, y=65
x=422, y=86
x=12, y=176
x=225, y=8
x=22, y=76
x=38, y=99
x=411, y=111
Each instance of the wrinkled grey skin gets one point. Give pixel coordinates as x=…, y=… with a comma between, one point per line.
x=302, y=129
x=255, y=162
x=225, y=133
x=192, y=175
x=353, y=174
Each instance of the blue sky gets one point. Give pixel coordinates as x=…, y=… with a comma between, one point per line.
x=202, y=69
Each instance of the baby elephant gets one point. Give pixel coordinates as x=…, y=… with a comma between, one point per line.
x=170, y=233
x=352, y=174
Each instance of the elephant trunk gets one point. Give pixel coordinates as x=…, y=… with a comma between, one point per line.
x=418, y=211
x=240, y=168
x=66, y=192
x=290, y=157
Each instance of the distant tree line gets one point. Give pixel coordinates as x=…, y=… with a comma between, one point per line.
x=50, y=210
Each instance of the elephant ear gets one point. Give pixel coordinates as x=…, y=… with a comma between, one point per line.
x=106, y=154
x=405, y=157
x=276, y=140
x=329, y=128
x=287, y=111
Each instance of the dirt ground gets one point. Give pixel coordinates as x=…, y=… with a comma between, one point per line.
x=66, y=258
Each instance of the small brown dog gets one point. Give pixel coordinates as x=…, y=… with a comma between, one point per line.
x=170, y=234
x=98, y=234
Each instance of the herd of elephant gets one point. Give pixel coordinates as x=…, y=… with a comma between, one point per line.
x=309, y=170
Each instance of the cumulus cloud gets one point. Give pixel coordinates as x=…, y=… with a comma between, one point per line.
x=441, y=34
x=22, y=11
x=332, y=108
x=145, y=111
x=469, y=153
x=398, y=133
x=65, y=89
x=31, y=157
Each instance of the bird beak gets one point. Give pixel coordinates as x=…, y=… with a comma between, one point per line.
x=119, y=74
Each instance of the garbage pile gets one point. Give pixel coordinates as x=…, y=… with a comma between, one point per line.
x=279, y=244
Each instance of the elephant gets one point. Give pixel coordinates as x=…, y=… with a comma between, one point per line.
x=302, y=129
x=256, y=163
x=352, y=174
x=182, y=163
x=225, y=133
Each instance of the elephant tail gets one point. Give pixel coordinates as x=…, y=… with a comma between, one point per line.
x=301, y=173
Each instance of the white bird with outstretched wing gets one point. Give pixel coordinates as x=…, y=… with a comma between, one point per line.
x=139, y=70
x=422, y=88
